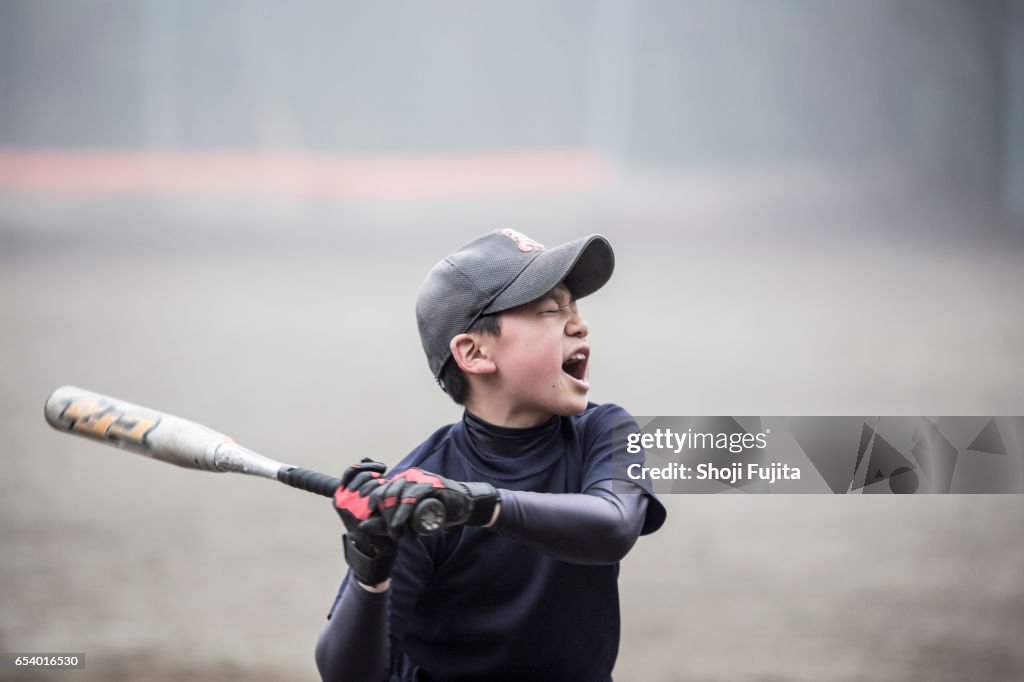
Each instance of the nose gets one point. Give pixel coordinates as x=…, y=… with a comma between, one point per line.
x=577, y=326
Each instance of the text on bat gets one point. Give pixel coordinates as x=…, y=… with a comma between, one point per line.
x=103, y=420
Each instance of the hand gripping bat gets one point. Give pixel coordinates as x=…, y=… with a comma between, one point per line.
x=186, y=444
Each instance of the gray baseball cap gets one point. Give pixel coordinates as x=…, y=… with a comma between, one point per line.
x=498, y=271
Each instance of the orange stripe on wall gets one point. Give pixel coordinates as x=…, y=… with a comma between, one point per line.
x=108, y=172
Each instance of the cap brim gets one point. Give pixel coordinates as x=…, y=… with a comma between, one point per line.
x=585, y=265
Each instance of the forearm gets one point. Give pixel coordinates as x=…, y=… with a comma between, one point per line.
x=596, y=527
x=354, y=643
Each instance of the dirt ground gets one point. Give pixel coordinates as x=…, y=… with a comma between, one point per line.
x=289, y=326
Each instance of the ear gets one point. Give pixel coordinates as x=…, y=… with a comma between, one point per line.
x=471, y=357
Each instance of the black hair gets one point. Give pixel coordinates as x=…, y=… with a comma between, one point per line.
x=452, y=379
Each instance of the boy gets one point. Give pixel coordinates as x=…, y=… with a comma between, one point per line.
x=523, y=583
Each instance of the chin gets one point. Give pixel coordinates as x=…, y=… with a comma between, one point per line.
x=573, y=408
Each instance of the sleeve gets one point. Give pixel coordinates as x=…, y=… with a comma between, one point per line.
x=354, y=644
x=597, y=527
x=363, y=636
x=607, y=458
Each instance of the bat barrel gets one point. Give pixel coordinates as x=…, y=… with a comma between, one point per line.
x=151, y=433
x=184, y=443
x=134, y=428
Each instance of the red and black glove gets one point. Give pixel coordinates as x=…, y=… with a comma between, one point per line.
x=369, y=551
x=470, y=504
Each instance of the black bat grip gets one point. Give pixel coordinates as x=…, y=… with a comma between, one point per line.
x=310, y=481
x=427, y=518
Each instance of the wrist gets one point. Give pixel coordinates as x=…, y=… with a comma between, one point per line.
x=494, y=516
x=371, y=569
x=484, y=500
x=375, y=589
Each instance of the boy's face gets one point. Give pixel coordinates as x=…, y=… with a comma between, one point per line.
x=542, y=358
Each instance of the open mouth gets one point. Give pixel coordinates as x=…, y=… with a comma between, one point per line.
x=576, y=365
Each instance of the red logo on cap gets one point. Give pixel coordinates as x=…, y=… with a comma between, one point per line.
x=525, y=244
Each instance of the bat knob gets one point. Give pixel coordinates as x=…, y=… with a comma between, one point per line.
x=428, y=517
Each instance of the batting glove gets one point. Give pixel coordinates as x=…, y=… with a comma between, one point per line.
x=369, y=551
x=470, y=504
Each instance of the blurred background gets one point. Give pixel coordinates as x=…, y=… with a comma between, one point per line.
x=224, y=210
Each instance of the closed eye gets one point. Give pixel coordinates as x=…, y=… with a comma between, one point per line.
x=555, y=303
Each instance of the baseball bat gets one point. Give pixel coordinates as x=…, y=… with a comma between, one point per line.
x=187, y=444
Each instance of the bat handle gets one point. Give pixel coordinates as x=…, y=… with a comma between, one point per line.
x=310, y=481
x=427, y=518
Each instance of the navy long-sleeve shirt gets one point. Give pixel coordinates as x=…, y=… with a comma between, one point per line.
x=533, y=597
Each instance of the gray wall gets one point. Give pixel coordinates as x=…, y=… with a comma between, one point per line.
x=1013, y=180
x=922, y=85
